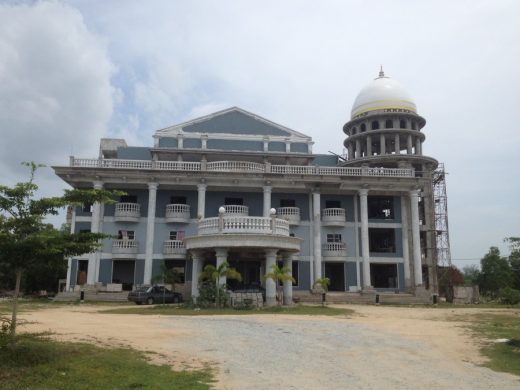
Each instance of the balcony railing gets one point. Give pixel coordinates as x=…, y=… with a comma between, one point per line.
x=246, y=225
x=333, y=217
x=125, y=247
x=174, y=247
x=239, y=166
x=331, y=249
x=177, y=213
x=127, y=212
x=290, y=214
x=236, y=209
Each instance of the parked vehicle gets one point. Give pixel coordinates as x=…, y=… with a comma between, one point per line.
x=154, y=294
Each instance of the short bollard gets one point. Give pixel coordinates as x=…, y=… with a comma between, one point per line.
x=82, y=296
x=434, y=299
x=377, y=298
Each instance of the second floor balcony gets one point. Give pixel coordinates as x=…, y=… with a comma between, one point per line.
x=177, y=213
x=236, y=210
x=127, y=212
x=333, y=217
x=174, y=249
x=290, y=214
x=125, y=247
x=334, y=249
x=245, y=225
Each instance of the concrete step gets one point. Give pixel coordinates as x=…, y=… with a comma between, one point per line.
x=92, y=296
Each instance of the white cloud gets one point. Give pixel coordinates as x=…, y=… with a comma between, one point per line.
x=55, y=97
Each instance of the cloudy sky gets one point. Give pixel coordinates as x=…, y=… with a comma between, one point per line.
x=74, y=71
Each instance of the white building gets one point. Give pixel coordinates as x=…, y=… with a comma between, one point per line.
x=235, y=186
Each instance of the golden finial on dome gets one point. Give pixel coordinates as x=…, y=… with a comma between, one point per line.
x=381, y=73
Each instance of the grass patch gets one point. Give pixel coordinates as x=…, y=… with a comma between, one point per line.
x=39, y=363
x=503, y=356
x=174, y=310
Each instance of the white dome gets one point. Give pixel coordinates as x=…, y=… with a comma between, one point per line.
x=382, y=93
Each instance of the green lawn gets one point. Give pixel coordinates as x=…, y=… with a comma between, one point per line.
x=38, y=363
x=175, y=310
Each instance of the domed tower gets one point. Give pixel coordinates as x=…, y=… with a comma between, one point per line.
x=384, y=128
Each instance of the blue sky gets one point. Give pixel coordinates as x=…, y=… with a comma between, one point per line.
x=74, y=71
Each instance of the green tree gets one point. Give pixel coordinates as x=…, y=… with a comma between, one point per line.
x=26, y=241
x=278, y=275
x=167, y=276
x=495, y=273
x=214, y=274
x=324, y=283
x=471, y=274
x=514, y=260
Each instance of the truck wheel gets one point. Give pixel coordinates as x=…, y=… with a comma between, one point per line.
x=149, y=301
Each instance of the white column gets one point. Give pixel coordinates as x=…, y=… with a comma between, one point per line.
x=270, y=285
x=69, y=261
x=417, y=145
x=267, y=200
x=196, y=269
x=397, y=144
x=150, y=229
x=406, y=254
x=369, y=146
x=201, y=206
x=316, y=202
x=356, y=236
x=416, y=238
x=382, y=144
x=365, y=250
x=409, y=144
x=287, y=284
x=358, y=148
x=350, y=151
x=221, y=255
x=93, y=261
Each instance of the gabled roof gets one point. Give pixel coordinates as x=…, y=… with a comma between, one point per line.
x=233, y=120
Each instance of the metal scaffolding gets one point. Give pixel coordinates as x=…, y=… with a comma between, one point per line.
x=440, y=201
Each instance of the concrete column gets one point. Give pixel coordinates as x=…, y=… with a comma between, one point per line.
x=201, y=206
x=417, y=145
x=356, y=236
x=416, y=239
x=358, y=148
x=365, y=250
x=267, y=200
x=316, y=202
x=409, y=144
x=93, y=261
x=350, y=151
x=382, y=144
x=150, y=230
x=221, y=255
x=270, y=285
x=397, y=144
x=180, y=141
x=406, y=247
x=197, y=263
x=69, y=260
x=369, y=146
x=287, y=284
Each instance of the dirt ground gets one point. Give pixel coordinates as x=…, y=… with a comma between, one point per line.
x=377, y=347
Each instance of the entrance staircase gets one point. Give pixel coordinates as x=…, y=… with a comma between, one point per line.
x=363, y=298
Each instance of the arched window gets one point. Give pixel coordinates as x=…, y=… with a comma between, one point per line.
x=389, y=124
x=402, y=124
x=375, y=125
x=414, y=126
x=363, y=127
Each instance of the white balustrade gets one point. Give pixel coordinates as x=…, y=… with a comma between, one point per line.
x=243, y=224
x=237, y=209
x=127, y=212
x=334, y=249
x=125, y=247
x=174, y=247
x=177, y=213
x=240, y=166
x=333, y=217
x=290, y=214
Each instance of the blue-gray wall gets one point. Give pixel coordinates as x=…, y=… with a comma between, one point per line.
x=227, y=144
x=105, y=271
x=276, y=146
x=134, y=153
x=73, y=272
x=168, y=142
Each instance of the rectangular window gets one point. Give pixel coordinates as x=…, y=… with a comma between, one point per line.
x=380, y=207
x=87, y=208
x=333, y=237
x=233, y=201
x=381, y=240
x=177, y=235
x=84, y=231
x=287, y=203
x=332, y=204
x=128, y=199
x=178, y=200
x=126, y=235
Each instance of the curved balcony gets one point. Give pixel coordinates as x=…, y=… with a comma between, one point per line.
x=177, y=213
x=334, y=249
x=246, y=225
x=127, y=212
x=237, y=210
x=174, y=249
x=125, y=248
x=290, y=214
x=333, y=217
x=235, y=166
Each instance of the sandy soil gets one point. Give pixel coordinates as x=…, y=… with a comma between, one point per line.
x=378, y=347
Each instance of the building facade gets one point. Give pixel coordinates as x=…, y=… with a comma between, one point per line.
x=232, y=186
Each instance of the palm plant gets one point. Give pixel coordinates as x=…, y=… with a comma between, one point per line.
x=279, y=275
x=214, y=274
x=167, y=276
x=324, y=283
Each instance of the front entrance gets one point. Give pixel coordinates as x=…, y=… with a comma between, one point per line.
x=81, y=278
x=383, y=275
x=336, y=273
x=250, y=272
x=123, y=272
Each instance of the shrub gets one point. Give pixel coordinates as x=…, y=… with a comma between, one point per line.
x=509, y=296
x=208, y=294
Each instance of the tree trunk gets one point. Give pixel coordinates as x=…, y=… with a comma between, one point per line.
x=15, y=306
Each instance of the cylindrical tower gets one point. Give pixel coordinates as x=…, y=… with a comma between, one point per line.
x=384, y=128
